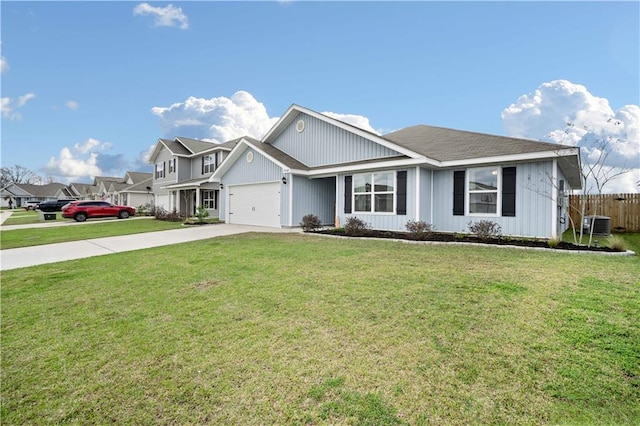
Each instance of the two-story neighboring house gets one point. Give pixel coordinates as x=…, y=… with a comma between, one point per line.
x=181, y=171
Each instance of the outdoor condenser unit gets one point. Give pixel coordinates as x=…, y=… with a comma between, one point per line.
x=601, y=225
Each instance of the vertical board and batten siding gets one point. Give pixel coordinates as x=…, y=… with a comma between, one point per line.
x=533, y=203
x=425, y=196
x=322, y=144
x=382, y=221
x=313, y=196
x=260, y=170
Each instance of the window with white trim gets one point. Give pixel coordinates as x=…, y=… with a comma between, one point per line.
x=208, y=164
x=172, y=165
x=374, y=192
x=210, y=199
x=160, y=170
x=482, y=190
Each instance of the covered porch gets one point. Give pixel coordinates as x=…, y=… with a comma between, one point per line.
x=185, y=197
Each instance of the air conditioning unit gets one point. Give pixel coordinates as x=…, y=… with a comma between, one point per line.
x=601, y=225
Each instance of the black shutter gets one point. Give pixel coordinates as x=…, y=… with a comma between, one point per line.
x=508, y=191
x=401, y=191
x=347, y=194
x=202, y=172
x=164, y=168
x=458, y=193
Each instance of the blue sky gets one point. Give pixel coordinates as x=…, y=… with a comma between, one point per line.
x=88, y=87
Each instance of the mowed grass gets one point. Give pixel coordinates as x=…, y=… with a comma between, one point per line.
x=293, y=329
x=24, y=217
x=59, y=234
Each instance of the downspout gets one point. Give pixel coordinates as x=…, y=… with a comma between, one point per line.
x=417, y=191
x=554, y=199
x=431, y=203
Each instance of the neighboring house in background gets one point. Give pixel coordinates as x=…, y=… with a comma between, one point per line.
x=311, y=163
x=99, y=189
x=22, y=192
x=182, y=168
x=134, y=190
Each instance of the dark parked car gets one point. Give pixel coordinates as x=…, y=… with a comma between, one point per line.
x=53, y=206
x=82, y=210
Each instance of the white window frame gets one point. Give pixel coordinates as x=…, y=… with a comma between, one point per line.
x=172, y=165
x=209, y=199
x=373, y=193
x=160, y=170
x=209, y=164
x=497, y=191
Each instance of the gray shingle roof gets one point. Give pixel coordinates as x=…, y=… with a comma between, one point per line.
x=48, y=190
x=449, y=145
x=278, y=155
x=196, y=145
x=138, y=177
x=176, y=147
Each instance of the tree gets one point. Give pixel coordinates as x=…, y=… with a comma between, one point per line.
x=17, y=174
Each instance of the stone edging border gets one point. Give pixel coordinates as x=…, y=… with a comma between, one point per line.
x=503, y=246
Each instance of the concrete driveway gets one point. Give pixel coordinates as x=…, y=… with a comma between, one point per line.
x=39, y=255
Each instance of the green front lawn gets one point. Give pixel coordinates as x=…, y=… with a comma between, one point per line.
x=23, y=217
x=59, y=234
x=294, y=329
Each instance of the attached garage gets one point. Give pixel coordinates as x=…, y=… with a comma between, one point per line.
x=256, y=204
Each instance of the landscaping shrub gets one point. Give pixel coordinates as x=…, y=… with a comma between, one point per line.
x=553, y=242
x=146, y=210
x=355, y=226
x=485, y=229
x=202, y=213
x=171, y=216
x=617, y=242
x=310, y=223
x=419, y=229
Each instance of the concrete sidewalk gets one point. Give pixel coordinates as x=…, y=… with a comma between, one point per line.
x=39, y=255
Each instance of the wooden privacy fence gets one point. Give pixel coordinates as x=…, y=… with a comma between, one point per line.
x=623, y=209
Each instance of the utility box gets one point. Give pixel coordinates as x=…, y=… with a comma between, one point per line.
x=601, y=225
x=47, y=216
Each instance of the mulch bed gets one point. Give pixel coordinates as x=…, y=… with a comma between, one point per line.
x=464, y=238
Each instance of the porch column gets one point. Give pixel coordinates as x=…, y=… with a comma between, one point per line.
x=197, y=199
x=178, y=202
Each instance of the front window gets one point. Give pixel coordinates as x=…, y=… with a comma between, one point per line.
x=210, y=199
x=374, y=192
x=483, y=190
x=172, y=165
x=209, y=163
x=160, y=170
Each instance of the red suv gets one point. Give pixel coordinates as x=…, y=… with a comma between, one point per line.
x=82, y=210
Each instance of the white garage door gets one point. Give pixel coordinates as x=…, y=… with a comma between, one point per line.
x=255, y=204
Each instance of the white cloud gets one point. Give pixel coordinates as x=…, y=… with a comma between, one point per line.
x=92, y=144
x=86, y=160
x=72, y=104
x=217, y=119
x=355, y=120
x=9, y=106
x=69, y=165
x=169, y=16
x=4, y=64
x=563, y=112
